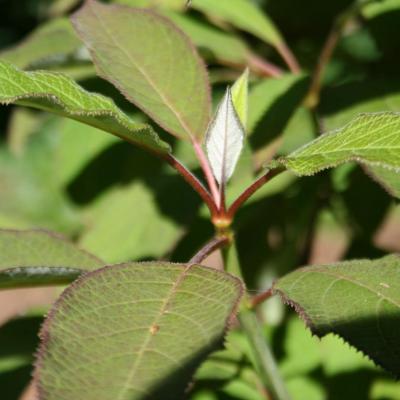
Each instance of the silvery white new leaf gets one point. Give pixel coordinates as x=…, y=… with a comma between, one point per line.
x=224, y=140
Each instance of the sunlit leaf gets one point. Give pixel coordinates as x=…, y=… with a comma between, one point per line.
x=34, y=257
x=59, y=94
x=358, y=300
x=151, y=62
x=240, y=97
x=371, y=139
x=134, y=331
x=224, y=140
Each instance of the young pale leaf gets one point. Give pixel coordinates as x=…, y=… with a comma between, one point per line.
x=151, y=62
x=59, y=94
x=370, y=139
x=358, y=300
x=34, y=257
x=224, y=140
x=240, y=97
x=134, y=331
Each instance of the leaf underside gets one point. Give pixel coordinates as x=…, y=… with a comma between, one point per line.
x=370, y=139
x=134, y=331
x=357, y=300
x=224, y=140
x=36, y=257
x=57, y=93
x=151, y=62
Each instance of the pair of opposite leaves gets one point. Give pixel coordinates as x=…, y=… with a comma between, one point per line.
x=169, y=83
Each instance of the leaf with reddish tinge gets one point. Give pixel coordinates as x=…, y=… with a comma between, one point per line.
x=134, y=331
x=358, y=300
x=151, y=62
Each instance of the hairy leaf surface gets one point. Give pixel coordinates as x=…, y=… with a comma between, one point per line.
x=35, y=257
x=59, y=94
x=224, y=140
x=358, y=300
x=390, y=180
x=370, y=139
x=151, y=62
x=134, y=331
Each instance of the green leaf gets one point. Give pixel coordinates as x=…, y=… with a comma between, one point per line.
x=371, y=139
x=59, y=94
x=134, y=331
x=240, y=97
x=242, y=14
x=358, y=300
x=34, y=257
x=390, y=180
x=151, y=62
x=50, y=43
x=212, y=42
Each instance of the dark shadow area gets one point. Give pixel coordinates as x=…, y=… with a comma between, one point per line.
x=18, y=343
x=122, y=164
x=366, y=205
x=335, y=99
x=274, y=121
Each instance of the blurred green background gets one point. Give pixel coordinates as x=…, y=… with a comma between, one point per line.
x=121, y=204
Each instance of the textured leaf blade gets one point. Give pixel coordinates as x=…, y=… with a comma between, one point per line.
x=240, y=97
x=370, y=139
x=34, y=257
x=151, y=62
x=242, y=14
x=157, y=322
x=224, y=140
x=59, y=94
x=358, y=300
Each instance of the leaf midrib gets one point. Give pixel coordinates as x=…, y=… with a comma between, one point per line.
x=149, y=335
x=164, y=99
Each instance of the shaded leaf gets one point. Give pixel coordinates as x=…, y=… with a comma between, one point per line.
x=212, y=42
x=224, y=140
x=389, y=179
x=240, y=97
x=34, y=257
x=151, y=62
x=134, y=331
x=358, y=300
x=242, y=14
x=371, y=139
x=59, y=94
x=50, y=43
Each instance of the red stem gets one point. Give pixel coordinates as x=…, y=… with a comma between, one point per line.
x=288, y=57
x=263, y=67
x=252, y=189
x=208, y=248
x=205, y=166
x=193, y=182
x=258, y=299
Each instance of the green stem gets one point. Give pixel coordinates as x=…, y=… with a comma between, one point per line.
x=263, y=357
